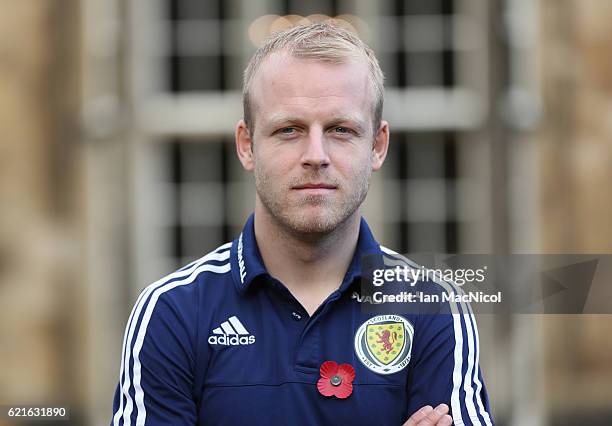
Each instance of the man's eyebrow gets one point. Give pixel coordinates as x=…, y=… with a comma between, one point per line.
x=281, y=119
x=354, y=121
x=276, y=120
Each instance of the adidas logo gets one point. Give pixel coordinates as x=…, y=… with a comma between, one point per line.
x=231, y=333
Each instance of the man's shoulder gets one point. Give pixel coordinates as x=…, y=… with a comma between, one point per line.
x=175, y=300
x=213, y=267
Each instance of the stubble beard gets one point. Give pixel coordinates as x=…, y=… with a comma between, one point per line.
x=310, y=215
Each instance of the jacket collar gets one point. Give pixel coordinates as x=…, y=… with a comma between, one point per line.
x=247, y=263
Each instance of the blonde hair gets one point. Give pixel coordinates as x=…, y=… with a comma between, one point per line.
x=320, y=42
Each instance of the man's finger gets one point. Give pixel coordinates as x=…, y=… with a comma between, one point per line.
x=434, y=416
x=418, y=416
x=446, y=420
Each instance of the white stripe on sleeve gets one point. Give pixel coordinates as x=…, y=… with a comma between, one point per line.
x=462, y=319
x=142, y=331
x=124, y=376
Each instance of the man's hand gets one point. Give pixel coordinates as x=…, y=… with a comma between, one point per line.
x=427, y=416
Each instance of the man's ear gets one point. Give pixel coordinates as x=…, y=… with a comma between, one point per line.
x=381, y=145
x=244, y=146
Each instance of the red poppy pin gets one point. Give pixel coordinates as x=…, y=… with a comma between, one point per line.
x=336, y=380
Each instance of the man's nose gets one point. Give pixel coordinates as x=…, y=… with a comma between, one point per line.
x=315, y=152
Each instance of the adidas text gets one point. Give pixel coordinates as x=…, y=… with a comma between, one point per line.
x=231, y=340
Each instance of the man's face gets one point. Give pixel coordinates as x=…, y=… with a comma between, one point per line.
x=313, y=143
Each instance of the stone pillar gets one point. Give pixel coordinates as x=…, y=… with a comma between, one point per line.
x=576, y=181
x=41, y=221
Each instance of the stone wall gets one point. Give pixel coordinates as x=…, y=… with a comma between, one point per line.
x=576, y=187
x=41, y=212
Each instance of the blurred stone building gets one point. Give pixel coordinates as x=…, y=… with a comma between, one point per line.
x=43, y=291
x=117, y=166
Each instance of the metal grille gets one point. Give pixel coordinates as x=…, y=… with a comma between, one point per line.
x=416, y=51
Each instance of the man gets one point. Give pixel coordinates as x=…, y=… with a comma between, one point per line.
x=264, y=329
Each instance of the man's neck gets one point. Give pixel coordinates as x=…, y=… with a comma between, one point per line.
x=310, y=266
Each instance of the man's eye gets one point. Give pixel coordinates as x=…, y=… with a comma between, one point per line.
x=341, y=130
x=288, y=130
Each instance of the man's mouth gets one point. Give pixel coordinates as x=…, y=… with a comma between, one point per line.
x=315, y=186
